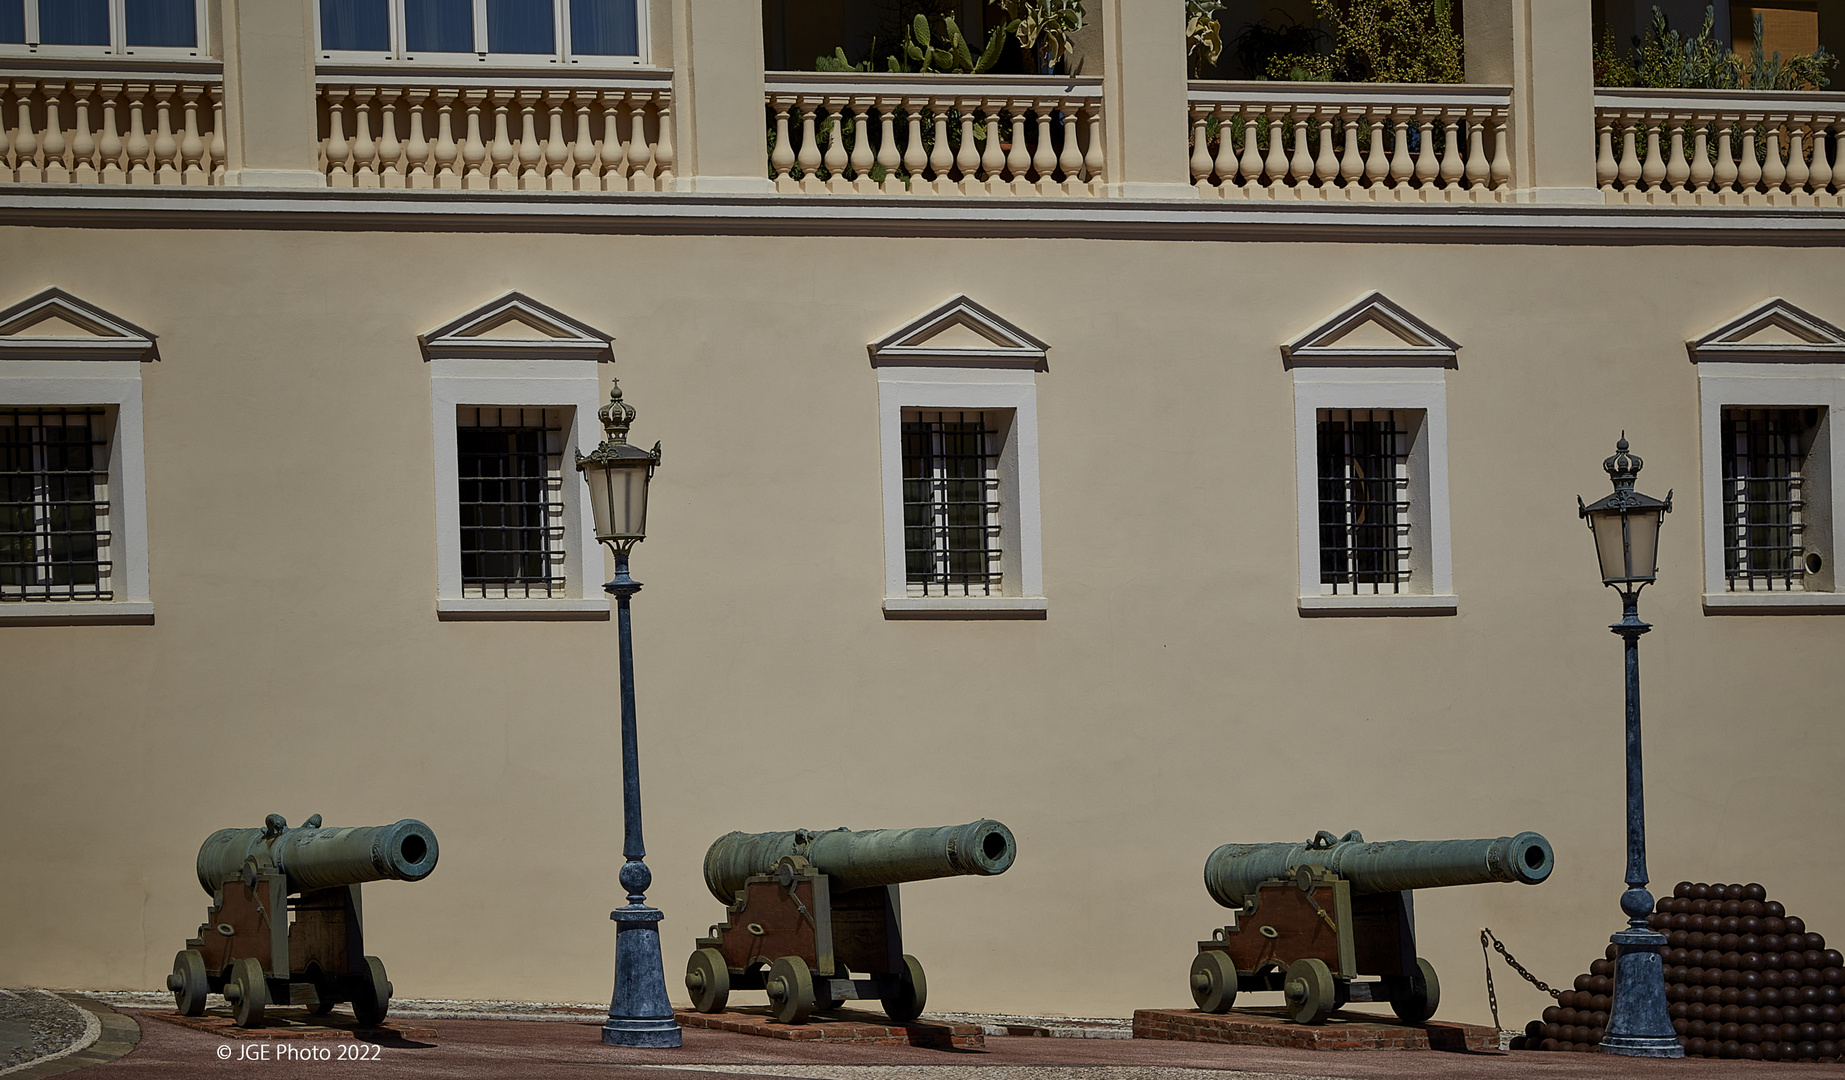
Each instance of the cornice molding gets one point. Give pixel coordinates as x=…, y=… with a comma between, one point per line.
x=1422, y=344
x=913, y=344
x=111, y=336
x=471, y=336
x=1820, y=341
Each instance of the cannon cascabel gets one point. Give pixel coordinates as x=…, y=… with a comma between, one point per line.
x=858, y=860
x=316, y=858
x=1234, y=870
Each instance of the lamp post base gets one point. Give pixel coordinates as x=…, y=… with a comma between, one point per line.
x=1638, y=1023
x=639, y=1014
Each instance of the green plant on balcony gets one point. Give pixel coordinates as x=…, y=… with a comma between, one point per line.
x=1665, y=58
x=1204, y=35
x=1401, y=41
x=1050, y=22
x=1260, y=42
x=918, y=47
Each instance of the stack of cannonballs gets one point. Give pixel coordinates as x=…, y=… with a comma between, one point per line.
x=1743, y=980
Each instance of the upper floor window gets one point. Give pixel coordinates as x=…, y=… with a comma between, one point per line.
x=951, y=501
x=499, y=31
x=54, y=503
x=1765, y=489
x=155, y=28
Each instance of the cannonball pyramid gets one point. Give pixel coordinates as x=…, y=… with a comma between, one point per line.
x=1743, y=980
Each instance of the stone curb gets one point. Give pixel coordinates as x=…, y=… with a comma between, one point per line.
x=107, y=1035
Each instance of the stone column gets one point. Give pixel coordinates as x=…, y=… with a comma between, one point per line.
x=272, y=136
x=1543, y=49
x=1144, y=117
x=719, y=96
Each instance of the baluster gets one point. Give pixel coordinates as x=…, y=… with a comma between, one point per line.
x=1018, y=159
x=1352, y=164
x=992, y=158
x=390, y=150
x=501, y=152
x=967, y=159
x=663, y=155
x=1653, y=169
x=1201, y=158
x=1044, y=155
x=1300, y=167
x=1678, y=169
x=446, y=152
x=1700, y=167
x=1823, y=170
x=1726, y=172
x=1402, y=166
x=216, y=146
x=417, y=171
x=1006, y=167
x=1095, y=160
x=809, y=155
x=1607, y=169
x=1251, y=165
x=556, y=149
x=166, y=147
x=1629, y=171
x=1377, y=160
x=139, y=147
x=364, y=149
x=1774, y=172
x=195, y=169
x=1428, y=167
x=915, y=162
x=57, y=170
x=1453, y=166
x=1749, y=170
x=531, y=149
x=583, y=150
x=6, y=142
x=25, y=142
x=475, y=176
x=1479, y=166
x=1326, y=165
x=1224, y=167
x=108, y=142
x=941, y=159
x=83, y=143
x=338, y=150
x=781, y=159
x=1502, y=155
x=888, y=159
x=862, y=156
x=836, y=158
x=1797, y=170
x=1275, y=168
x=643, y=166
x=614, y=153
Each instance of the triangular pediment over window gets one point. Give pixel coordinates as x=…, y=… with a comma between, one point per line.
x=516, y=327
x=960, y=332
x=54, y=325
x=1375, y=330
x=1776, y=330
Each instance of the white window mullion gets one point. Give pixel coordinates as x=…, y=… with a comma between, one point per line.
x=118, y=27
x=480, y=27
x=560, y=18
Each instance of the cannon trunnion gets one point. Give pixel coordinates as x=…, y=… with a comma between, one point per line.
x=814, y=918
x=1311, y=918
x=285, y=924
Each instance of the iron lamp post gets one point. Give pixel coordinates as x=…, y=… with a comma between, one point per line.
x=617, y=474
x=1626, y=530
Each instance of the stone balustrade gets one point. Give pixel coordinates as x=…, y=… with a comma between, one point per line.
x=1719, y=147
x=104, y=126
x=515, y=131
x=1350, y=142
x=936, y=135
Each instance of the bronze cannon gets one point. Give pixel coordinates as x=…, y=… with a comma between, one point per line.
x=814, y=920
x=250, y=949
x=1311, y=918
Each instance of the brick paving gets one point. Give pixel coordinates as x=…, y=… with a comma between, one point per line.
x=1341, y=1031
x=840, y=1026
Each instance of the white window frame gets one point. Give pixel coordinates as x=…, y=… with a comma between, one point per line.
x=1412, y=377
x=399, y=52
x=118, y=32
x=101, y=370
x=999, y=377
x=1735, y=371
x=469, y=366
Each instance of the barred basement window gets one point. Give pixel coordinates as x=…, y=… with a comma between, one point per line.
x=951, y=541
x=1364, y=499
x=1764, y=497
x=510, y=462
x=54, y=503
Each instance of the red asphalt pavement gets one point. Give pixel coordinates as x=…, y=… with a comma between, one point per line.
x=519, y=1049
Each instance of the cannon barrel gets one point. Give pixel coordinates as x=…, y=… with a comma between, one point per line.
x=1233, y=870
x=858, y=860
x=316, y=858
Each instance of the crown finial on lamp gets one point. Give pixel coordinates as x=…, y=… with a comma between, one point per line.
x=617, y=416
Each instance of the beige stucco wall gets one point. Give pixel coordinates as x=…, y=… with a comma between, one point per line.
x=1172, y=700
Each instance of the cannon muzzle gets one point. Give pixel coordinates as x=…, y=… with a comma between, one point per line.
x=1234, y=870
x=858, y=860
x=317, y=858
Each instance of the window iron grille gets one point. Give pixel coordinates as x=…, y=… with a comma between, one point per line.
x=54, y=503
x=1364, y=500
x=1764, y=497
x=510, y=462
x=951, y=541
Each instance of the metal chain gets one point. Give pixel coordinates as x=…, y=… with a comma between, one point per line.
x=1492, y=998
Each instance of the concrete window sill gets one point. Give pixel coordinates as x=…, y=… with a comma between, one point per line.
x=965, y=607
x=594, y=609
x=1397, y=604
x=1813, y=603
x=74, y=612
